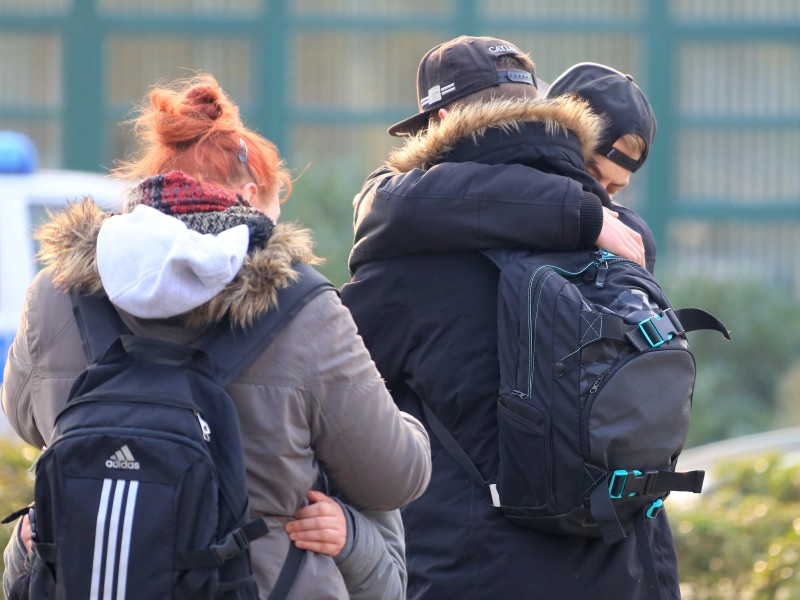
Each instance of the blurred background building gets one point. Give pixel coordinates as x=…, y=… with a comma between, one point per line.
x=323, y=78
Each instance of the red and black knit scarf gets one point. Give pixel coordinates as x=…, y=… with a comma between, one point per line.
x=202, y=207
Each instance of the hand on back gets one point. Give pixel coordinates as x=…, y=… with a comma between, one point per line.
x=319, y=527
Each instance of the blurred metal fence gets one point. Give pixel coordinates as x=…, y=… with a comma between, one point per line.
x=323, y=78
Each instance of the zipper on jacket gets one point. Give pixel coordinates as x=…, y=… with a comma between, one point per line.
x=204, y=427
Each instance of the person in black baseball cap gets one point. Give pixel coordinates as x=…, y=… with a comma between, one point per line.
x=455, y=69
x=630, y=125
x=487, y=163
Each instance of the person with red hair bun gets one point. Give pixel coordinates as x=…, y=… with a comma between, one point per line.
x=198, y=242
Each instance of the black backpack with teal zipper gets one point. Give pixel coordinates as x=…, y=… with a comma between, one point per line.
x=596, y=383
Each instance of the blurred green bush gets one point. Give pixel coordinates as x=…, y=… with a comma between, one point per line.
x=16, y=482
x=741, y=540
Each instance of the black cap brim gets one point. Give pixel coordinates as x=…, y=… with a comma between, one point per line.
x=411, y=125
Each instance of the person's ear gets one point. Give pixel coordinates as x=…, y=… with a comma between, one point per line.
x=249, y=192
x=443, y=112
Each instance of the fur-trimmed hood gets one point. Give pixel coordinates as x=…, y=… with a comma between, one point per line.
x=560, y=116
x=69, y=248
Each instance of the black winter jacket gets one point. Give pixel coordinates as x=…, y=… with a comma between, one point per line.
x=429, y=320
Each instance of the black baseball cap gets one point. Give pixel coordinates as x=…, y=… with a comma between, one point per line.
x=616, y=96
x=456, y=69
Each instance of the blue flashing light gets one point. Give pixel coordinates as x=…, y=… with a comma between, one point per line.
x=17, y=153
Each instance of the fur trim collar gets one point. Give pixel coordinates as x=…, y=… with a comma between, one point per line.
x=559, y=115
x=69, y=243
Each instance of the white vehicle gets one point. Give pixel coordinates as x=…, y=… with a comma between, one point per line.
x=25, y=197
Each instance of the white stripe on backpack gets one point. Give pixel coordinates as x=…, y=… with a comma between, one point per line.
x=112, y=525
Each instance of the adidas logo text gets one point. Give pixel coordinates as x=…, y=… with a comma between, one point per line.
x=122, y=459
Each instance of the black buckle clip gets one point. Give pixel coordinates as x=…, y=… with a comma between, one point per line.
x=234, y=543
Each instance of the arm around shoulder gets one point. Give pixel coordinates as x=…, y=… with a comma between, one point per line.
x=467, y=206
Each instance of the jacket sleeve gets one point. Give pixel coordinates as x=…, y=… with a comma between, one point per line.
x=378, y=458
x=16, y=389
x=372, y=562
x=14, y=556
x=469, y=206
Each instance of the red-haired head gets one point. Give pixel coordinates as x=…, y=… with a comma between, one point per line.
x=191, y=125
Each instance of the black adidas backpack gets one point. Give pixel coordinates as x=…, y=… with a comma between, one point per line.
x=596, y=382
x=141, y=493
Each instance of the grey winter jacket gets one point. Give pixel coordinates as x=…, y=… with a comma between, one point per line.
x=312, y=399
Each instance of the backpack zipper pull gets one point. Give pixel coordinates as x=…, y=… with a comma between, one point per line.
x=518, y=394
x=204, y=427
x=599, y=380
x=600, y=278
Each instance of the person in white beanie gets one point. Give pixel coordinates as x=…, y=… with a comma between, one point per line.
x=197, y=242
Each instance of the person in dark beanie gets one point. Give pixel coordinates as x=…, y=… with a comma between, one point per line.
x=197, y=242
x=488, y=163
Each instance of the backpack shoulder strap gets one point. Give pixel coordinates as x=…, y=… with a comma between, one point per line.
x=98, y=322
x=232, y=349
x=457, y=452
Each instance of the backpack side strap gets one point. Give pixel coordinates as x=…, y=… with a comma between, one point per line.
x=232, y=349
x=623, y=484
x=288, y=573
x=655, y=331
x=457, y=452
x=236, y=542
x=649, y=333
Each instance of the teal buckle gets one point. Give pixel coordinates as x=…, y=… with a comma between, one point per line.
x=651, y=324
x=616, y=485
x=654, y=509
